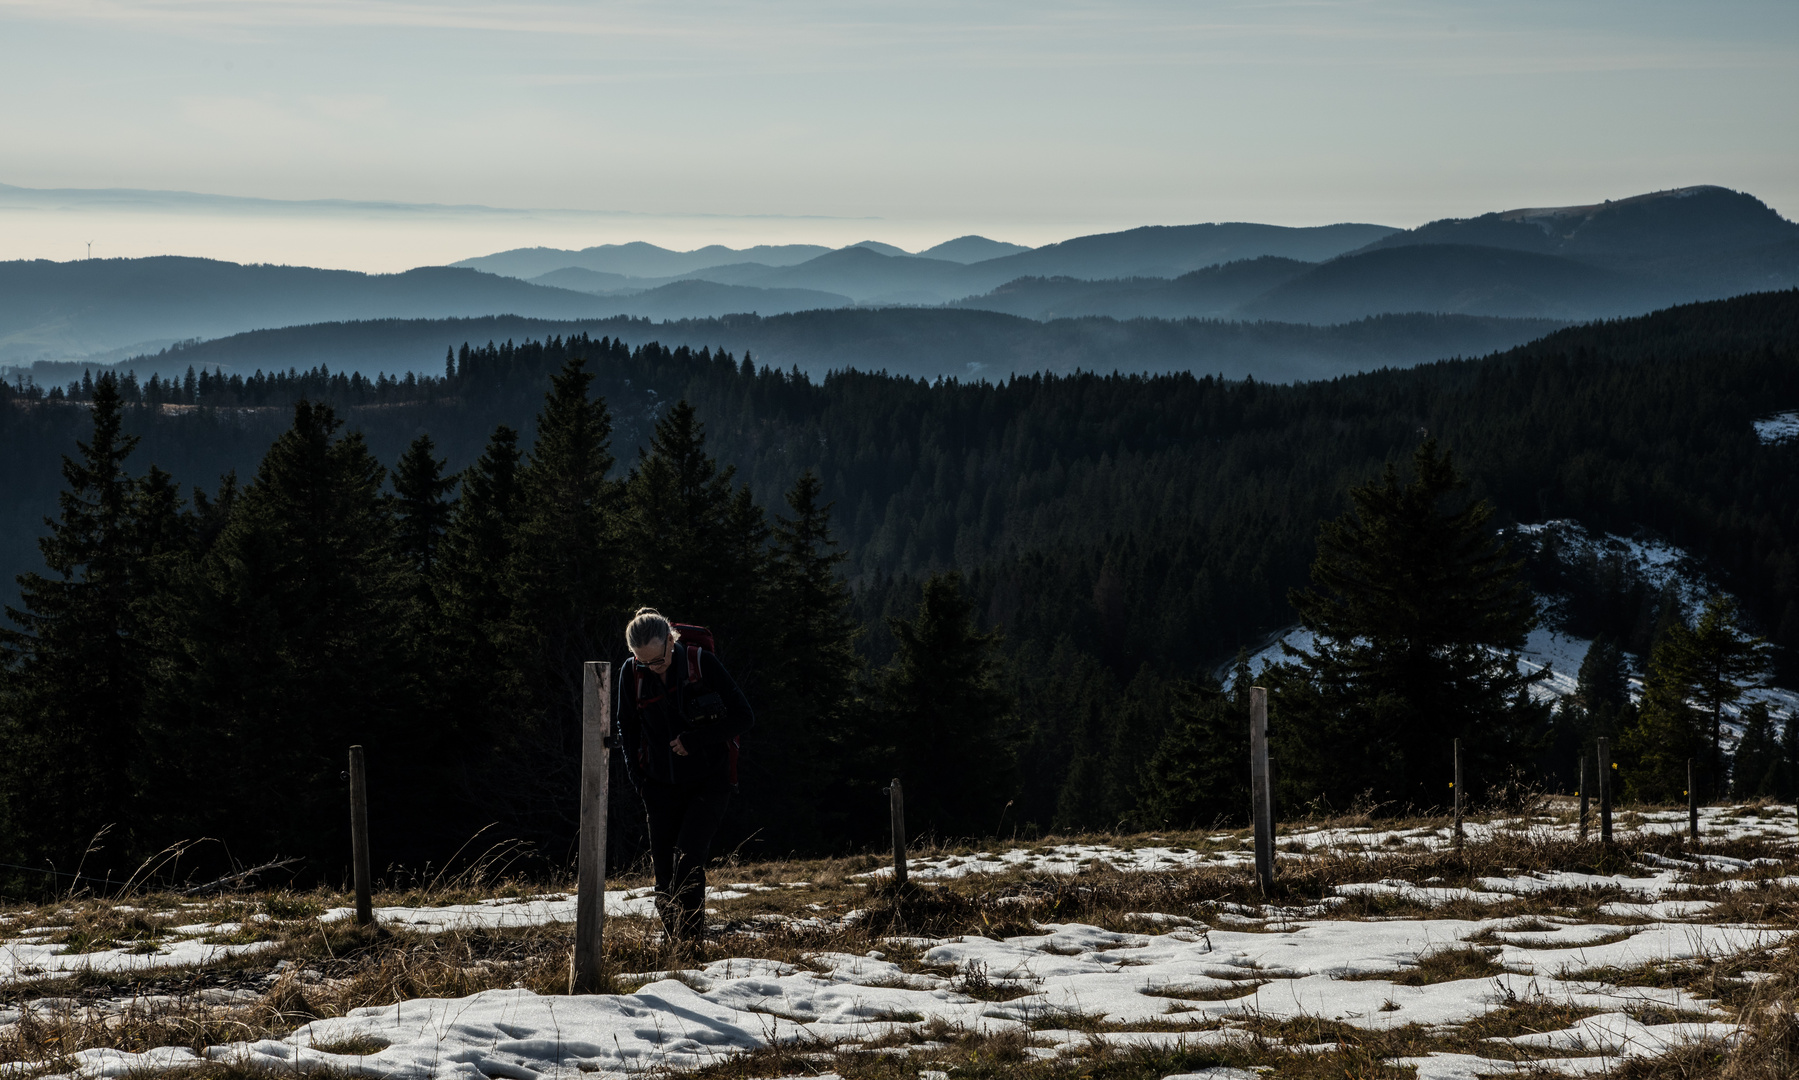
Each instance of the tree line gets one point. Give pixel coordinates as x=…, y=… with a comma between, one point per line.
x=1116, y=539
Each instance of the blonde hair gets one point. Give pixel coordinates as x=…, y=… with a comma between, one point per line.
x=646, y=626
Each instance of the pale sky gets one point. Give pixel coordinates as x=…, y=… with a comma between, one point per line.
x=911, y=122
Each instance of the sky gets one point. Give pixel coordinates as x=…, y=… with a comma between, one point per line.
x=911, y=123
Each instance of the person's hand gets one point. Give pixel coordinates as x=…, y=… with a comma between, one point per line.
x=675, y=745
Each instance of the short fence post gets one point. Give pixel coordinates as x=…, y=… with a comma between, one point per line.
x=359, y=837
x=1583, y=793
x=1605, y=790
x=1692, y=805
x=1457, y=785
x=586, y=967
x=896, y=812
x=1259, y=793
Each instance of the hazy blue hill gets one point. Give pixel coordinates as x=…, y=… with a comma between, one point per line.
x=580, y=279
x=696, y=299
x=1171, y=250
x=869, y=276
x=972, y=249
x=884, y=249
x=1154, y=251
x=50, y=309
x=1207, y=293
x=921, y=342
x=636, y=259
x=1683, y=224
x=1455, y=278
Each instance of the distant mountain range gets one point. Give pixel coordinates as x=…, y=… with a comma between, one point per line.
x=880, y=274
x=1607, y=259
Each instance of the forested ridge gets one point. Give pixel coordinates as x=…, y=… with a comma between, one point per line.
x=1126, y=535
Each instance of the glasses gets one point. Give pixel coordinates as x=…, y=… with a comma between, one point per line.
x=668, y=652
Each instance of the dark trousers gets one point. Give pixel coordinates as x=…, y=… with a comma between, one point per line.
x=681, y=822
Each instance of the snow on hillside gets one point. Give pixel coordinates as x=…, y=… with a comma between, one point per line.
x=1782, y=427
x=1655, y=562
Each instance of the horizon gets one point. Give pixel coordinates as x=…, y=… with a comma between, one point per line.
x=796, y=123
x=148, y=223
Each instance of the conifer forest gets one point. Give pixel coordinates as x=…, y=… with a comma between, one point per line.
x=1033, y=600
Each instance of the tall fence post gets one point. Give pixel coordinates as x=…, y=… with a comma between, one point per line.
x=1457, y=785
x=1259, y=787
x=1584, y=789
x=1605, y=790
x=1692, y=805
x=586, y=974
x=359, y=837
x=896, y=814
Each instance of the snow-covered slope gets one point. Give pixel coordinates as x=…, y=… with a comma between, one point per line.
x=1654, y=562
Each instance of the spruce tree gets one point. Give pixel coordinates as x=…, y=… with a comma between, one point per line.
x=810, y=673
x=698, y=543
x=565, y=579
x=1787, y=786
x=472, y=598
x=77, y=664
x=1653, y=752
x=941, y=722
x=1200, y=770
x=1721, y=661
x=477, y=685
x=1755, y=768
x=1418, y=611
x=279, y=649
x=421, y=512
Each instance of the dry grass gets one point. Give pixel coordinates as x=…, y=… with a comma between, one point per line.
x=333, y=968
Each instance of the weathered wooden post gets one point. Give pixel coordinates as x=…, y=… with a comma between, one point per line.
x=359, y=837
x=1605, y=790
x=1583, y=793
x=1692, y=805
x=1457, y=785
x=896, y=813
x=1259, y=788
x=585, y=975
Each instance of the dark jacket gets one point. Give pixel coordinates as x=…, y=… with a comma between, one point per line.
x=643, y=729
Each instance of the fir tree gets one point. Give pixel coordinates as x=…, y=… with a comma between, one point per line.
x=1755, y=769
x=472, y=600
x=421, y=512
x=1418, y=612
x=813, y=668
x=77, y=665
x=1721, y=661
x=565, y=583
x=279, y=649
x=941, y=721
x=1200, y=771
x=697, y=542
x=1654, y=751
x=1787, y=786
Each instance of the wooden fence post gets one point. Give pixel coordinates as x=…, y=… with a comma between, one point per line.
x=1583, y=793
x=1457, y=785
x=359, y=837
x=585, y=973
x=1692, y=805
x=896, y=813
x=1259, y=793
x=1605, y=790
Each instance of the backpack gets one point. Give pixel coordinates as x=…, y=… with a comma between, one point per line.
x=694, y=640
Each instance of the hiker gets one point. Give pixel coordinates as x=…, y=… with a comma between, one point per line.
x=678, y=721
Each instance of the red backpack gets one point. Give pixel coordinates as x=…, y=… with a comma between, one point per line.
x=694, y=640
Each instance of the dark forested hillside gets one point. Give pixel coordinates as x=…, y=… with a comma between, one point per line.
x=921, y=343
x=1126, y=533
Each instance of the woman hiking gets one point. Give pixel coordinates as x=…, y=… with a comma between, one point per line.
x=679, y=716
